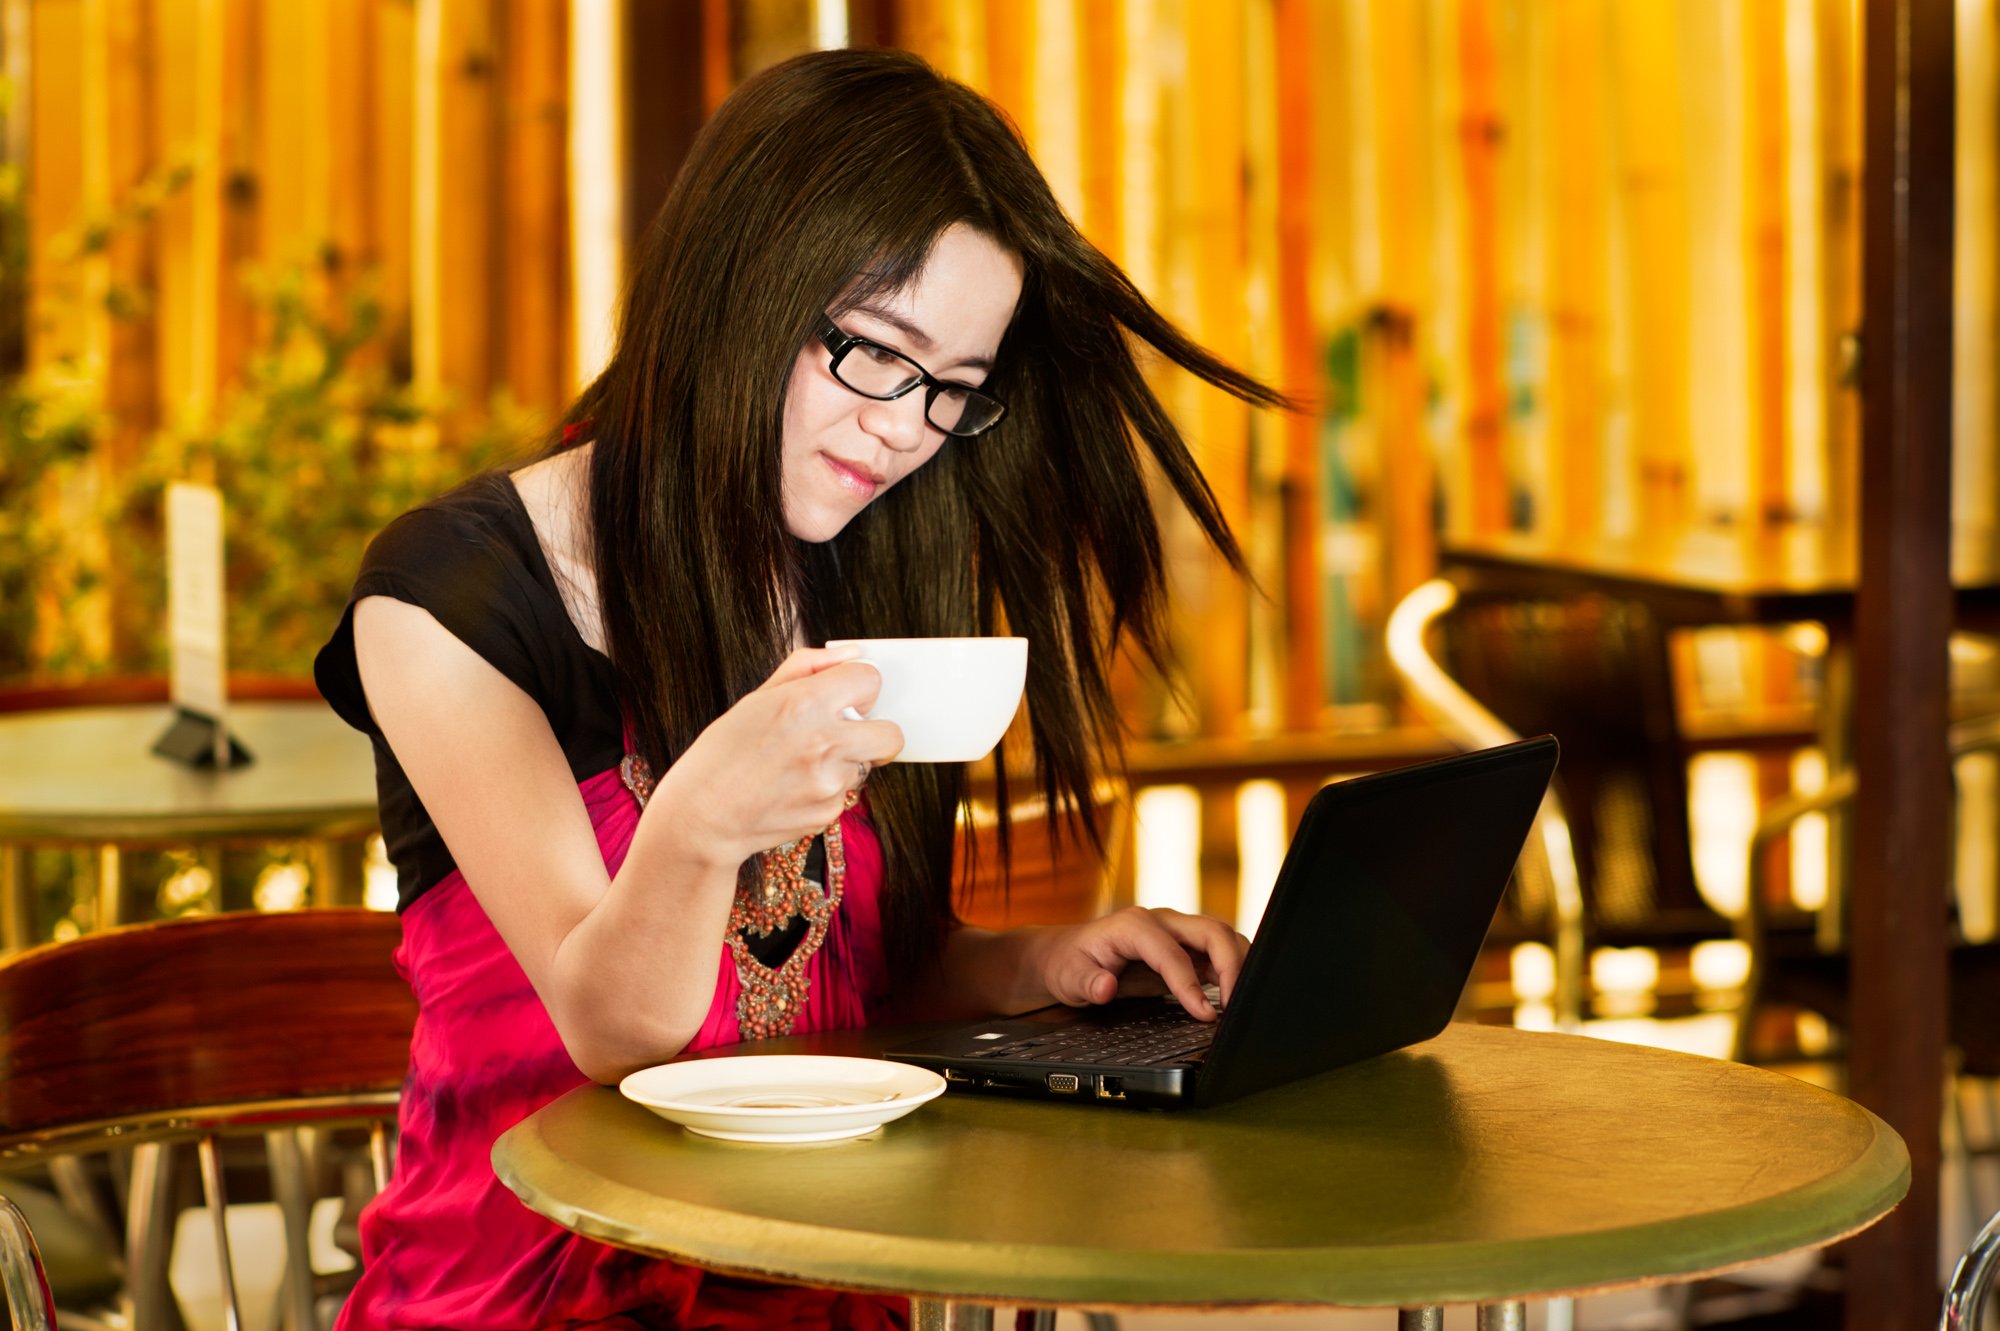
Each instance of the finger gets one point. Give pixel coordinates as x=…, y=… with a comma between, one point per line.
x=1154, y=944
x=865, y=741
x=805, y=662
x=847, y=687
x=1220, y=946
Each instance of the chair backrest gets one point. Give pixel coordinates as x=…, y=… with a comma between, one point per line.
x=1596, y=673
x=158, y=1026
x=189, y=1030
x=1055, y=877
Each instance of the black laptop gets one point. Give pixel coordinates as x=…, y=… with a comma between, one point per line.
x=1366, y=945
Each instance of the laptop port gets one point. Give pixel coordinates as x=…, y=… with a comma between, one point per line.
x=954, y=1075
x=1111, y=1088
x=1064, y=1083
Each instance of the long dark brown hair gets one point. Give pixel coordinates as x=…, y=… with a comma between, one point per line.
x=819, y=183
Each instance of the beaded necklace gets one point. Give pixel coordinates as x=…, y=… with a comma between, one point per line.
x=771, y=997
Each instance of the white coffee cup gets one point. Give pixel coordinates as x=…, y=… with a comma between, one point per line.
x=953, y=697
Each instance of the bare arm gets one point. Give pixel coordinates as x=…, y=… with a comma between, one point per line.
x=1132, y=951
x=626, y=965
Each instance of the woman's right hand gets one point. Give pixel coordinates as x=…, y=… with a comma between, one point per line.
x=779, y=764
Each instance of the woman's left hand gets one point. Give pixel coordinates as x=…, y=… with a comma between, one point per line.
x=1086, y=964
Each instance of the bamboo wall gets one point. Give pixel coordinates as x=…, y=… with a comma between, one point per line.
x=1571, y=266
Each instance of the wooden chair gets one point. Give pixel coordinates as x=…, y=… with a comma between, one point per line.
x=187, y=1033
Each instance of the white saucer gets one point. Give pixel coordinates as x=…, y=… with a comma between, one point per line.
x=782, y=1097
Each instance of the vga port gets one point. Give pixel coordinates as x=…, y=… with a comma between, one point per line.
x=1064, y=1083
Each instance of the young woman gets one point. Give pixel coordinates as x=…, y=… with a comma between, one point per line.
x=870, y=382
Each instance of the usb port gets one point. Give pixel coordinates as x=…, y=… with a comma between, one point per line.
x=953, y=1074
x=1064, y=1083
x=1111, y=1088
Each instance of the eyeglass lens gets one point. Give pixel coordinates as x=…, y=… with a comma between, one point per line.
x=881, y=373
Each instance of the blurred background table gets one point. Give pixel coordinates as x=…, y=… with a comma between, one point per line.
x=1486, y=1166
x=86, y=776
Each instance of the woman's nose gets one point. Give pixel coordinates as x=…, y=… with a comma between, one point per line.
x=899, y=423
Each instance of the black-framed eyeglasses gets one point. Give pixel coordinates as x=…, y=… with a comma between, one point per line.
x=876, y=371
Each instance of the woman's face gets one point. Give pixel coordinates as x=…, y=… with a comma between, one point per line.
x=842, y=450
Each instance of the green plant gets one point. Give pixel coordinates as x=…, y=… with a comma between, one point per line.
x=314, y=449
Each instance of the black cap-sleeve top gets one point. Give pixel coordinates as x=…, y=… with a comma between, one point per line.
x=471, y=559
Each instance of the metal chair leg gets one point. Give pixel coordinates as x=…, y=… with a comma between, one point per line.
x=217, y=1198
x=1972, y=1281
x=289, y=1185
x=148, y=1237
x=30, y=1304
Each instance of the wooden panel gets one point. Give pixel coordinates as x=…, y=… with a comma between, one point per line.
x=216, y=1010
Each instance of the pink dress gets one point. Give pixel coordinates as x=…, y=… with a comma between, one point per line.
x=447, y=1245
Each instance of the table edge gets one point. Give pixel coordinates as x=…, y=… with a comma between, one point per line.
x=1393, y=1275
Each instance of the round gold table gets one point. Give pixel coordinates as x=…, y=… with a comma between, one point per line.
x=1486, y=1166
x=86, y=775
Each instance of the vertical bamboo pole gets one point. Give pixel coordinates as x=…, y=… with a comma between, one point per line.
x=1765, y=246
x=1208, y=205
x=596, y=205
x=393, y=142
x=116, y=77
x=1839, y=32
x=1054, y=71
x=1976, y=306
x=1099, y=80
x=1528, y=100
x=1011, y=34
x=1653, y=259
x=533, y=297
x=1808, y=366
x=1263, y=534
x=1717, y=450
x=1299, y=339
x=453, y=251
x=1402, y=86
x=296, y=170
x=1577, y=263
x=718, y=53
x=1482, y=139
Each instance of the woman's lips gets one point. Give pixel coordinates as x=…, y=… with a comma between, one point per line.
x=854, y=476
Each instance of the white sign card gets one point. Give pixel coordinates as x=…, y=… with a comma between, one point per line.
x=195, y=604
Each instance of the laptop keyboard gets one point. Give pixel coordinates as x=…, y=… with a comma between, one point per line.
x=1171, y=1037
